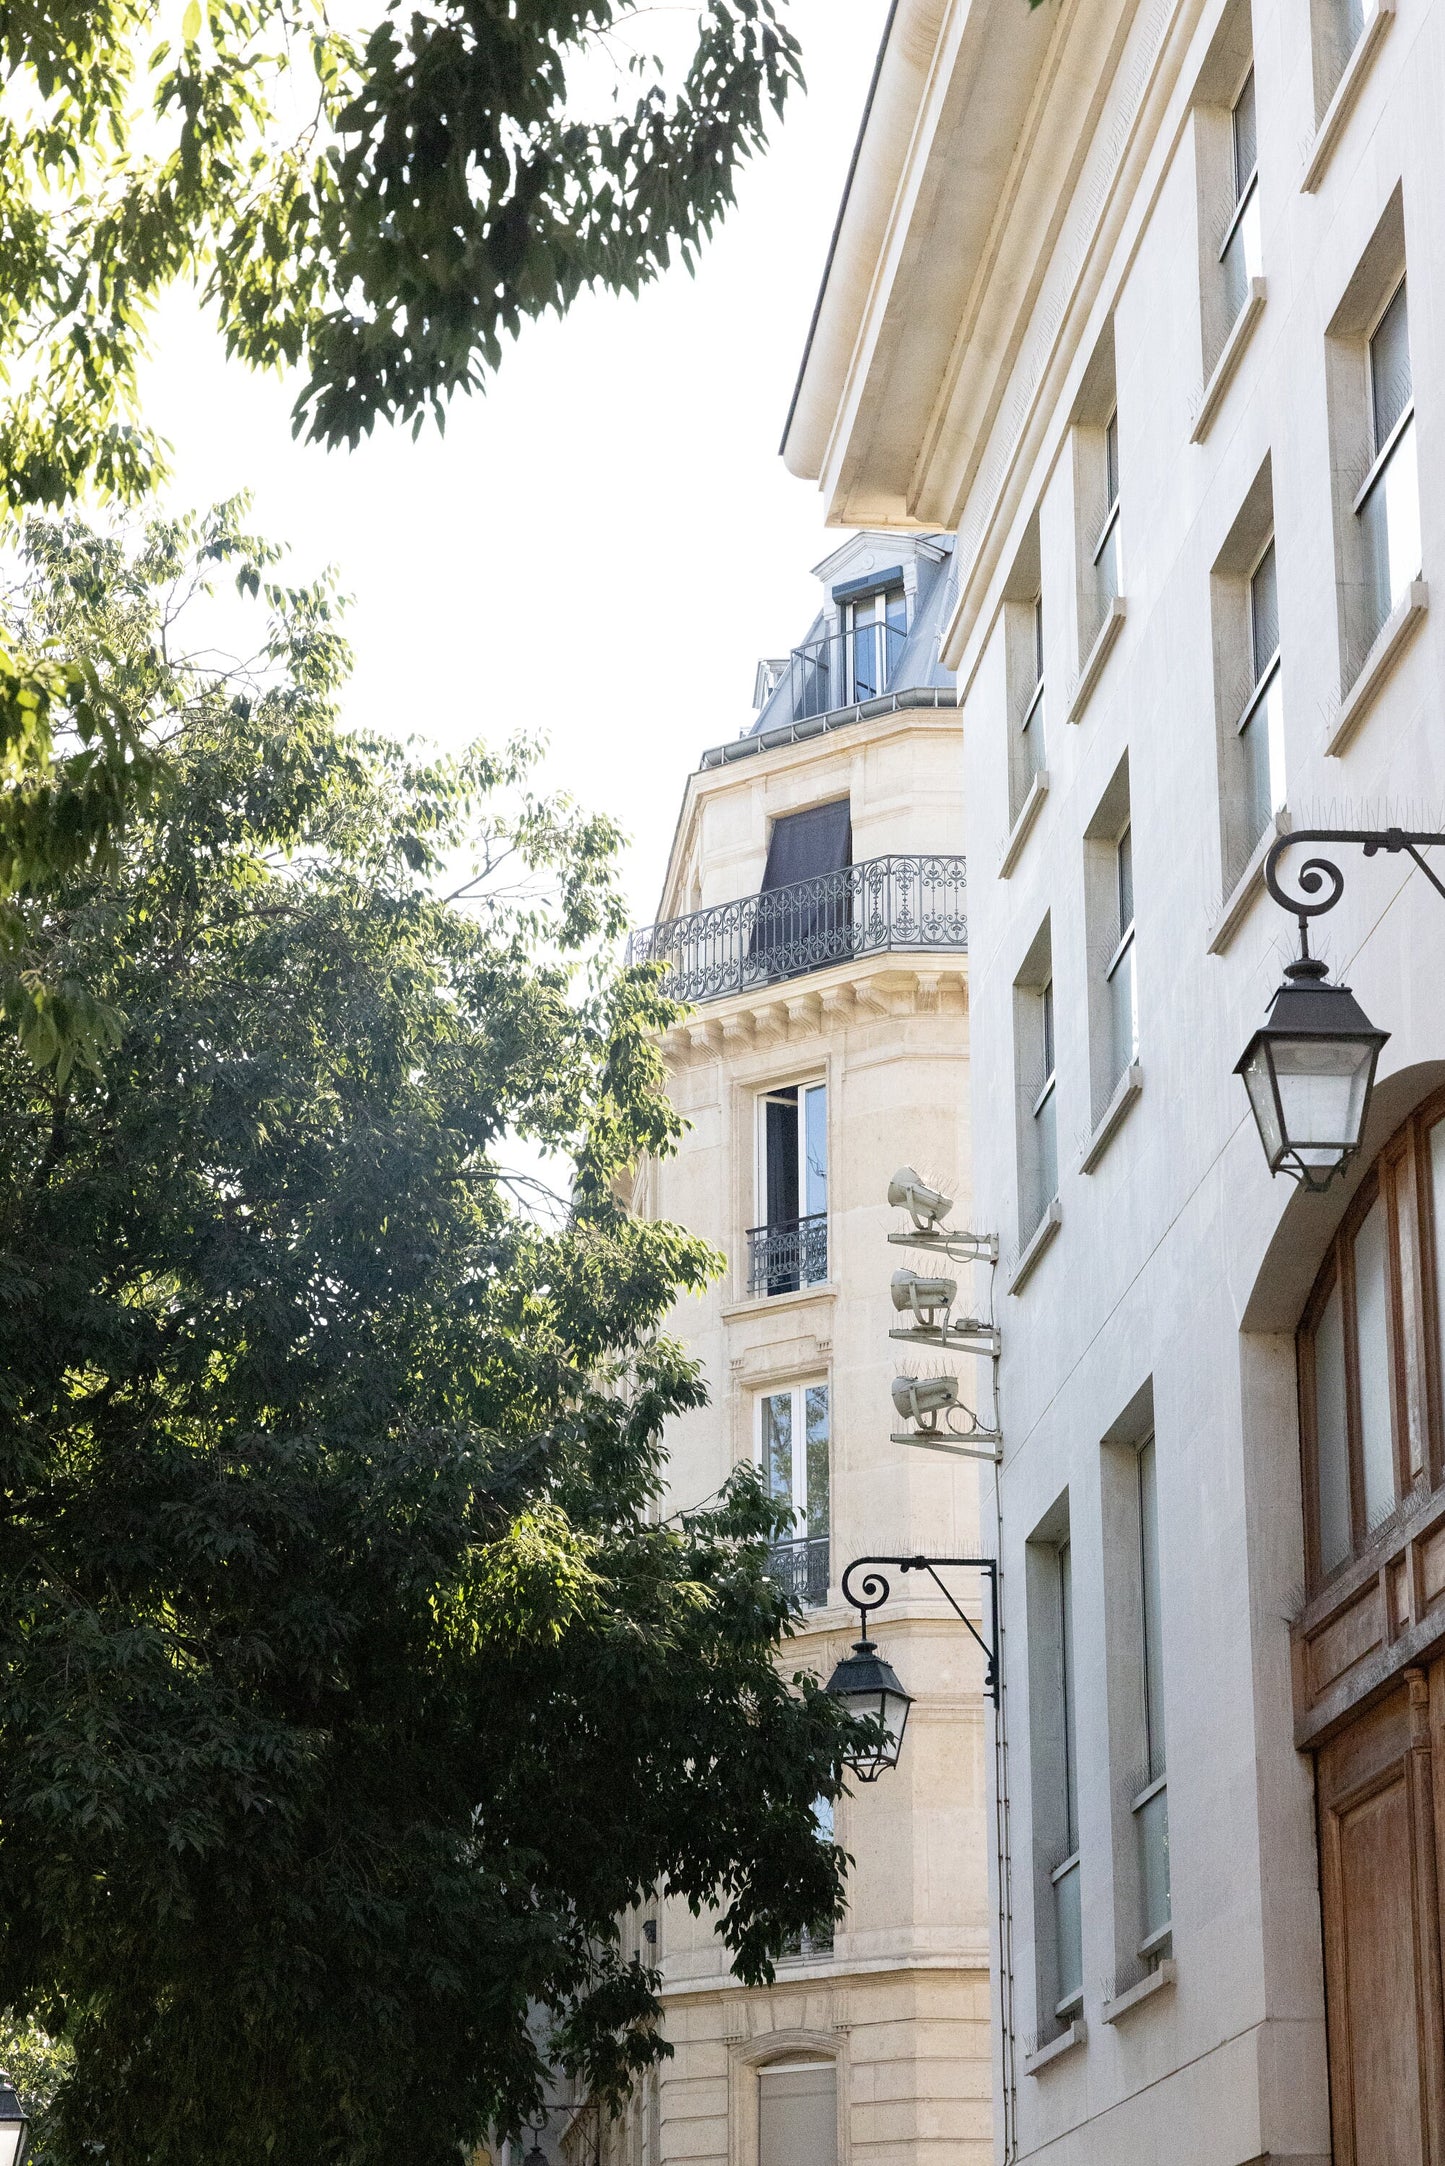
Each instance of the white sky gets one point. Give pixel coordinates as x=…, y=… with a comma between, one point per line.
x=605, y=543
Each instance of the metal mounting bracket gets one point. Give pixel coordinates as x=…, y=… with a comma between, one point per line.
x=874, y=1590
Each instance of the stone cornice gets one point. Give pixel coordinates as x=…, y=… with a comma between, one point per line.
x=879, y=989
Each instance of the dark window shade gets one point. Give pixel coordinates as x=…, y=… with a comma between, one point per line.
x=798, y=2115
x=807, y=844
x=782, y=1169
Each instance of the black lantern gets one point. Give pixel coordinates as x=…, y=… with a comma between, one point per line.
x=14, y=2124
x=1309, y=1073
x=866, y=1685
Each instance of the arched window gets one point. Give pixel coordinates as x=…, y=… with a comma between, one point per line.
x=1370, y=1351
x=798, y=2112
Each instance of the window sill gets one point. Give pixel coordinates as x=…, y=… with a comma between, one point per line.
x=1035, y=1245
x=760, y=1304
x=1126, y=1090
x=1097, y=656
x=1347, y=89
x=1018, y=834
x=1056, y=2048
x=1241, y=897
x=1390, y=644
x=1222, y=374
x=1158, y=1980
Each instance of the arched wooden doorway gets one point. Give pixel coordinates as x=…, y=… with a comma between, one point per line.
x=1369, y=1646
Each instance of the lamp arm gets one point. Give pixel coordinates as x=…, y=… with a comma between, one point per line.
x=876, y=1591
x=1322, y=873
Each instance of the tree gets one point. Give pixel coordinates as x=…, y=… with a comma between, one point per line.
x=350, y=1684
x=378, y=211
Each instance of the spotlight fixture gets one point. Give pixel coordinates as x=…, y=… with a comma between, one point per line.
x=929, y=1300
x=924, y=1398
x=908, y=1191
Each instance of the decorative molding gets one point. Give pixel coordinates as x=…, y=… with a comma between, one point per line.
x=884, y=992
x=1067, y=2040
x=1347, y=90
x=1035, y=1245
x=1018, y=834
x=1390, y=643
x=778, y=1304
x=1222, y=374
x=1240, y=900
x=1094, y=661
x=1127, y=1089
x=1158, y=1980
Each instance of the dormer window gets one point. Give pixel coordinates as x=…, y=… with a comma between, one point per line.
x=875, y=627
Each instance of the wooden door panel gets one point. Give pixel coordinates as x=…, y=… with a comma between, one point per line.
x=1378, y=1998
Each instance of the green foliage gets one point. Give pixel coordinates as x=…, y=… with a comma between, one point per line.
x=349, y=1687
x=37, y=2065
x=377, y=211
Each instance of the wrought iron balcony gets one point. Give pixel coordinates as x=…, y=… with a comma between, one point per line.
x=886, y=903
x=789, y=1254
x=801, y=1570
x=844, y=669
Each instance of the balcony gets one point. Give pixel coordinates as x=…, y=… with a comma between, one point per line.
x=885, y=904
x=786, y=1256
x=801, y=1570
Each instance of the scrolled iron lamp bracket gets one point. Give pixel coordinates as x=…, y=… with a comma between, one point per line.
x=874, y=1590
x=1318, y=873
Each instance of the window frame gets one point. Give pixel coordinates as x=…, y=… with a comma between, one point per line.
x=1401, y=1175
x=1111, y=483
x=797, y=1391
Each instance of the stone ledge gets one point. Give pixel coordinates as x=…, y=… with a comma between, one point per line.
x=1231, y=354
x=1390, y=643
x=1157, y=1981
x=1035, y=1245
x=1239, y=901
x=1097, y=656
x=1045, y=2056
x=1347, y=89
x=1126, y=1090
x=1018, y=834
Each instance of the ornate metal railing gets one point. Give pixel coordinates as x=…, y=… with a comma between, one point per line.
x=843, y=669
x=791, y=1253
x=918, y=903
x=801, y=1569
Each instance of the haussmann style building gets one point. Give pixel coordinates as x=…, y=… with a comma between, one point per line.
x=815, y=915
x=1141, y=301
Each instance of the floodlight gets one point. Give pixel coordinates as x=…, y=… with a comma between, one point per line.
x=924, y=1398
x=908, y=1191
x=923, y=1298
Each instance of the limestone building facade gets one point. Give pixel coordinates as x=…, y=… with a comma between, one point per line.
x=1142, y=301
x=815, y=914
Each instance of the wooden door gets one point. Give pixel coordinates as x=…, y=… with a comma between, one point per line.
x=1381, y=1786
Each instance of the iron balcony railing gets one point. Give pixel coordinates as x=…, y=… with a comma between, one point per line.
x=844, y=668
x=885, y=903
x=801, y=1570
x=792, y=1252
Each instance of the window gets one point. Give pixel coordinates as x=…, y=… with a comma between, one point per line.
x=1150, y=1807
x=875, y=627
x=1031, y=728
x=1106, y=548
x=1036, y=1083
x=1045, y=1111
x=1120, y=978
x=1388, y=504
x=790, y=1248
x=1023, y=636
x=793, y=1452
x=1068, y=1914
x=1338, y=27
x=1241, y=254
x=803, y=918
x=1370, y=1348
x=817, y=1939
x=798, y=2113
x=1261, y=726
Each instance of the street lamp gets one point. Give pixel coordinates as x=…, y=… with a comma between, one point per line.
x=1310, y=1071
x=864, y=1684
x=14, y=2123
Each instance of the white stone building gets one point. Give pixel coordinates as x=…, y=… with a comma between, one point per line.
x=814, y=912
x=1144, y=300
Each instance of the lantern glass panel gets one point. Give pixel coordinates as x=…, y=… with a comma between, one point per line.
x=1322, y=1085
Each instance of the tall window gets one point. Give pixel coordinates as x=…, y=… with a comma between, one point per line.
x=1151, y=1805
x=1031, y=727
x=1261, y=726
x=1241, y=253
x=1370, y=1351
x=1338, y=27
x=1068, y=1914
x=1120, y=974
x=1388, y=504
x=1106, y=548
x=876, y=627
x=789, y=1249
x=803, y=917
x=1045, y=1111
x=798, y=2113
x=793, y=1452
